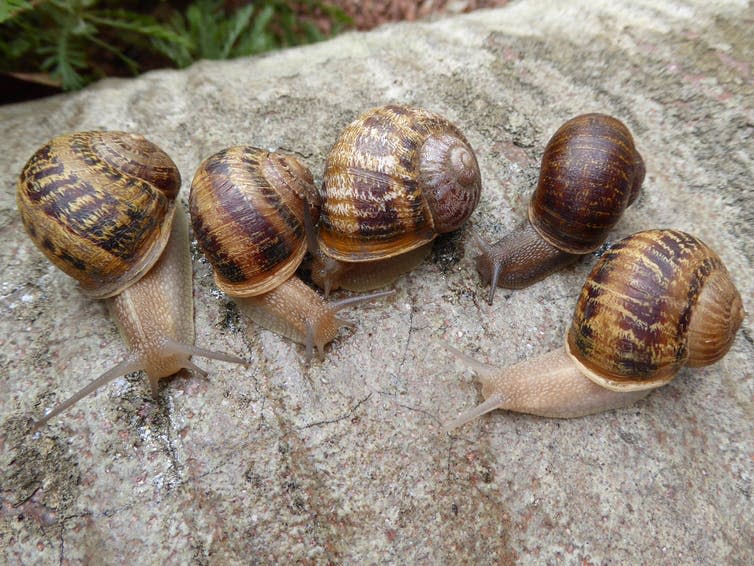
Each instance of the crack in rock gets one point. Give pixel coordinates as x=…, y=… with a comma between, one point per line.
x=346, y=415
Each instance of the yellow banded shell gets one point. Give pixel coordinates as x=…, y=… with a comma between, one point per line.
x=654, y=302
x=99, y=205
x=396, y=177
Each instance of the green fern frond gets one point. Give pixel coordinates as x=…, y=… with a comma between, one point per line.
x=12, y=8
x=63, y=60
x=78, y=41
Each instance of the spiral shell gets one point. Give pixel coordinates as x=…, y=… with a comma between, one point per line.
x=247, y=212
x=655, y=301
x=395, y=178
x=99, y=205
x=590, y=173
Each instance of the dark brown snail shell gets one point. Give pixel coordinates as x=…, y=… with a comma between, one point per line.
x=590, y=173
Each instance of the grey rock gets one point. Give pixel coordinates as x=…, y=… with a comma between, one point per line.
x=343, y=461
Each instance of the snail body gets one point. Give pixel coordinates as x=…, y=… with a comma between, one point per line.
x=655, y=302
x=250, y=210
x=155, y=316
x=101, y=207
x=590, y=173
x=395, y=178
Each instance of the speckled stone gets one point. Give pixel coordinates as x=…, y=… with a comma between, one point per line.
x=343, y=462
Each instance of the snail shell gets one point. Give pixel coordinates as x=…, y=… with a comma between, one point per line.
x=590, y=173
x=654, y=302
x=249, y=211
x=99, y=205
x=396, y=177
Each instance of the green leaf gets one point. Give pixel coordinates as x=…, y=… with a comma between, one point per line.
x=177, y=51
x=132, y=65
x=83, y=28
x=75, y=40
x=12, y=8
x=178, y=54
x=263, y=20
x=137, y=23
x=17, y=48
x=238, y=23
x=312, y=32
x=203, y=28
x=63, y=61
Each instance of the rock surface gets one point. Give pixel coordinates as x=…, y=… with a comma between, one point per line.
x=343, y=461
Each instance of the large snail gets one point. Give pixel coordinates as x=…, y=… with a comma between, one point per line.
x=101, y=207
x=590, y=173
x=655, y=301
x=396, y=178
x=250, y=210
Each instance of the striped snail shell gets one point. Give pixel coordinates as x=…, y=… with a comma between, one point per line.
x=249, y=212
x=639, y=321
x=655, y=301
x=395, y=178
x=590, y=173
x=101, y=207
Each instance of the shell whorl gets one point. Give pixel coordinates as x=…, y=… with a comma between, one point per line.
x=638, y=321
x=451, y=181
x=395, y=178
x=247, y=212
x=99, y=205
x=590, y=173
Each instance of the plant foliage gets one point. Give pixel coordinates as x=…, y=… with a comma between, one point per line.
x=77, y=41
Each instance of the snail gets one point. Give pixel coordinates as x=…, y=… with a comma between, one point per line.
x=655, y=301
x=251, y=210
x=590, y=173
x=395, y=178
x=101, y=207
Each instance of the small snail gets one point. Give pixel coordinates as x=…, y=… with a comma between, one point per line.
x=101, y=207
x=654, y=302
x=250, y=209
x=396, y=178
x=590, y=173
